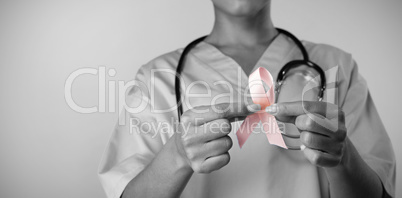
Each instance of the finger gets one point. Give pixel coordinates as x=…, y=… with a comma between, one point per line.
x=215, y=129
x=292, y=109
x=204, y=114
x=218, y=146
x=319, y=142
x=319, y=124
x=320, y=158
x=210, y=131
x=316, y=123
x=214, y=163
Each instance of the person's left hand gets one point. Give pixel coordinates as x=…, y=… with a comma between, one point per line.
x=322, y=127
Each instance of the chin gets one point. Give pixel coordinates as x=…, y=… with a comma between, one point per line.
x=241, y=7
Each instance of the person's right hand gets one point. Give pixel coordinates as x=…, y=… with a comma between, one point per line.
x=202, y=139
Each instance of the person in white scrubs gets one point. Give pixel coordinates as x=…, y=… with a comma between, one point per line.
x=346, y=151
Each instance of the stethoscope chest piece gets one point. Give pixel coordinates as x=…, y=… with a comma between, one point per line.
x=302, y=77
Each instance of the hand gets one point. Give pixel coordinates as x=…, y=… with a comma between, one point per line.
x=203, y=140
x=322, y=127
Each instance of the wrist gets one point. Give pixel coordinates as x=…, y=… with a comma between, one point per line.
x=353, y=177
x=350, y=156
x=179, y=157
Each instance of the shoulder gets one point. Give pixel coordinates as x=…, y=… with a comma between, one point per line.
x=339, y=65
x=324, y=49
x=329, y=57
x=158, y=73
x=166, y=61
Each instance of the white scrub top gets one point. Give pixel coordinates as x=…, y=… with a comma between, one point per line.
x=258, y=170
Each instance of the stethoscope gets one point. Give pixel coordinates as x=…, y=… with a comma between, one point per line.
x=281, y=75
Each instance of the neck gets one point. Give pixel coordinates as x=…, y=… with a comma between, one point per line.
x=230, y=30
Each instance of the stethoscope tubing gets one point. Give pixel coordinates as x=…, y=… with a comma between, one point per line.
x=281, y=75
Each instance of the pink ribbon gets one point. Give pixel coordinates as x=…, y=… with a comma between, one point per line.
x=265, y=99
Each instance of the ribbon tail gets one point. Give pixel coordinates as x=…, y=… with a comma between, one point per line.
x=272, y=131
x=246, y=128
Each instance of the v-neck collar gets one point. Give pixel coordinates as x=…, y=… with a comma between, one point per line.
x=273, y=58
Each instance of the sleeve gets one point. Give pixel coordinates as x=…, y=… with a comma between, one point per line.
x=131, y=148
x=366, y=130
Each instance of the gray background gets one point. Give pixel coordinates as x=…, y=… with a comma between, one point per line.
x=47, y=149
